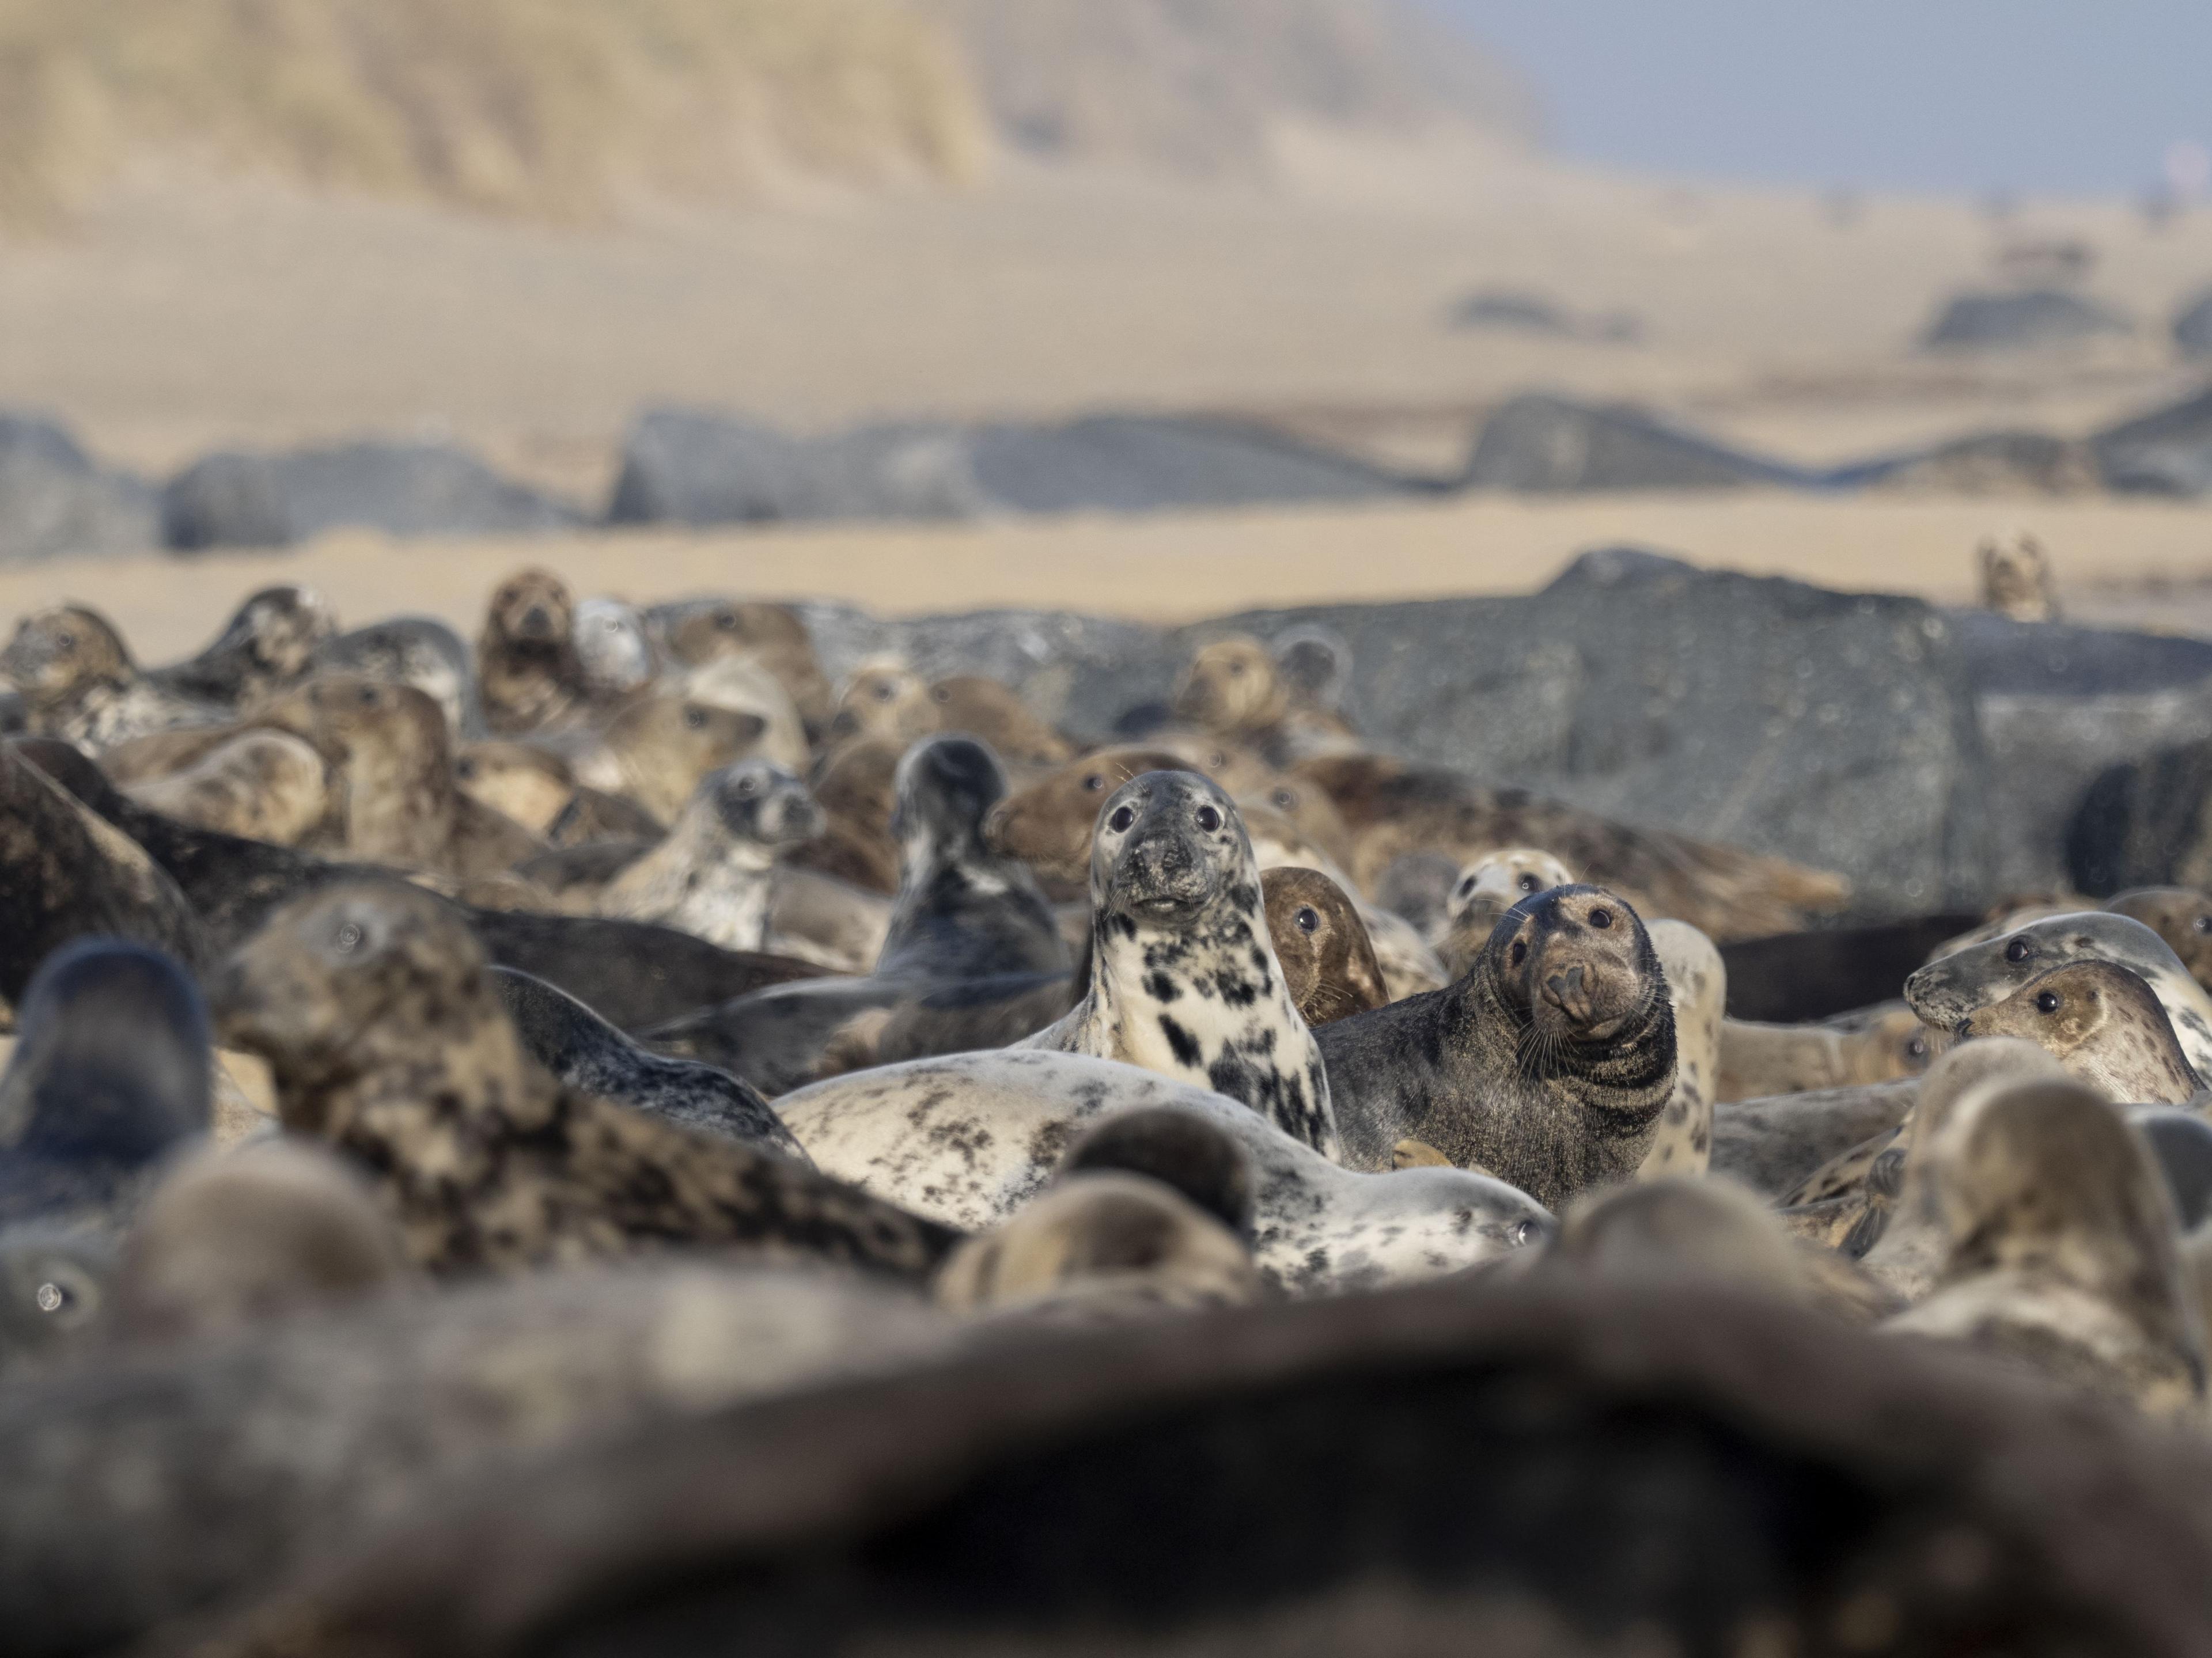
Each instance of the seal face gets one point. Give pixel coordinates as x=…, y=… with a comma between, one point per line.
x=1549, y=1064
x=711, y=875
x=1485, y=890
x=613, y=654
x=77, y=683
x=2180, y=915
x=266, y=646
x=1951, y=988
x=2103, y=1024
x=1183, y=976
x=528, y=673
x=1326, y=957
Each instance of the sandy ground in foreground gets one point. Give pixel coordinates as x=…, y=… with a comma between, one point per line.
x=1179, y=567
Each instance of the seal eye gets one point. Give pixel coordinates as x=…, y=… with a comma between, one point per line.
x=2019, y=950
x=1093, y=783
x=1530, y=884
x=884, y=692
x=726, y=620
x=465, y=769
x=938, y=693
x=1466, y=887
x=1122, y=817
x=1308, y=918
x=2202, y=924
x=1208, y=819
x=349, y=939
x=365, y=695
x=52, y=1297
x=694, y=718
x=1601, y=918
x=1525, y=1232
x=1916, y=1048
x=1283, y=800
x=2047, y=1002
x=1520, y=952
x=745, y=788
x=66, y=640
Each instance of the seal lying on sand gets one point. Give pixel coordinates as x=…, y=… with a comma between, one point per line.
x=266, y=645
x=1885, y=1044
x=1549, y=1064
x=78, y=683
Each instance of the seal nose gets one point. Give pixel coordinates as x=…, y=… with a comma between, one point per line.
x=1569, y=992
x=1964, y=1030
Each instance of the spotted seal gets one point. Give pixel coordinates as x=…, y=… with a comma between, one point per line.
x=2062, y=1251
x=387, y=1037
x=1885, y=1043
x=1945, y=992
x=266, y=646
x=78, y=682
x=1550, y=1063
x=1184, y=975
x=1483, y=892
x=970, y=1138
x=264, y=785
x=528, y=674
x=1322, y=946
x=2103, y=1024
x=2180, y=915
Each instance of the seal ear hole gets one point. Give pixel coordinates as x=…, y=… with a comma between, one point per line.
x=1208, y=819
x=2202, y=924
x=1520, y=952
x=1284, y=800
x=1122, y=817
x=2047, y=1002
x=2019, y=950
x=1308, y=918
x=938, y=693
x=1601, y=917
x=695, y=720
x=1094, y=782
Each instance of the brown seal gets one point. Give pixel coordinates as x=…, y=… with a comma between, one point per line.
x=2016, y=582
x=702, y=632
x=265, y=785
x=78, y=683
x=2101, y=1023
x=2180, y=915
x=2062, y=1251
x=528, y=675
x=391, y=751
x=883, y=697
x=1322, y=946
x=1046, y=823
x=855, y=784
x=387, y=1037
x=1236, y=688
x=1393, y=807
x=1883, y=1044
x=657, y=749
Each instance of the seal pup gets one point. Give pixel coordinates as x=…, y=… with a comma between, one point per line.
x=2015, y=577
x=411, y=650
x=264, y=785
x=1322, y=946
x=1235, y=688
x=1674, y=1226
x=614, y=657
x=991, y=712
x=113, y=1070
x=1393, y=807
x=270, y=1229
x=970, y=1138
x=1946, y=991
x=398, y=803
x=1550, y=1063
x=883, y=697
x=694, y=633
x=528, y=674
x=2063, y=1254
x=1885, y=1043
x=66, y=872
x=266, y=646
x=1099, y=1247
x=1184, y=975
x=386, y=1037
x=2101, y=1023
x=2180, y=915
x=712, y=875
x=588, y=1055
x=523, y=781
x=77, y=683
x=658, y=750
x=1696, y=986
x=1483, y=892
x=963, y=910
x=57, y=1288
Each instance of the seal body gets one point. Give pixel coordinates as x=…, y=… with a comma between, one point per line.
x=264, y=785
x=1883, y=1043
x=1949, y=989
x=712, y=874
x=77, y=683
x=528, y=674
x=1549, y=1064
x=2102, y=1023
x=1183, y=976
x=266, y=646
x=1696, y=987
x=410, y=650
x=970, y=1138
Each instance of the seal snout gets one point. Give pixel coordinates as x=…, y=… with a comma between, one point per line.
x=1569, y=992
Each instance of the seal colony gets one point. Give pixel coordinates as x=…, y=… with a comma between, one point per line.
x=658, y=1012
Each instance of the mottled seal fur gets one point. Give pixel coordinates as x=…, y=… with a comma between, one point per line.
x=113, y=1070
x=2063, y=1254
x=1322, y=946
x=411, y=650
x=387, y=1037
x=1184, y=975
x=657, y=749
x=1484, y=891
x=614, y=654
x=694, y=633
x=1393, y=807
x=586, y=1054
x=2103, y=1024
x=266, y=645
x=970, y=1138
x=713, y=875
x=2180, y=915
x=1697, y=985
x=77, y=683
x=264, y=785
x=1945, y=992
x=267, y=1231
x=520, y=780
x=1885, y=1044
x=528, y=675
x=66, y=872
x=1549, y=1064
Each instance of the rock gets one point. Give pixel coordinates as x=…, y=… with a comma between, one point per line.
x=1544, y=444
x=1510, y=311
x=55, y=500
x=2167, y=452
x=700, y=468
x=273, y=500
x=2143, y=823
x=2192, y=327
x=1983, y=463
x=2034, y=317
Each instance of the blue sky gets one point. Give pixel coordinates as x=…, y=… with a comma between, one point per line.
x=2071, y=96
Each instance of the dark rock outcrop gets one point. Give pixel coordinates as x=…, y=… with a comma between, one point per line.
x=2022, y=319
x=1541, y=444
x=56, y=501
